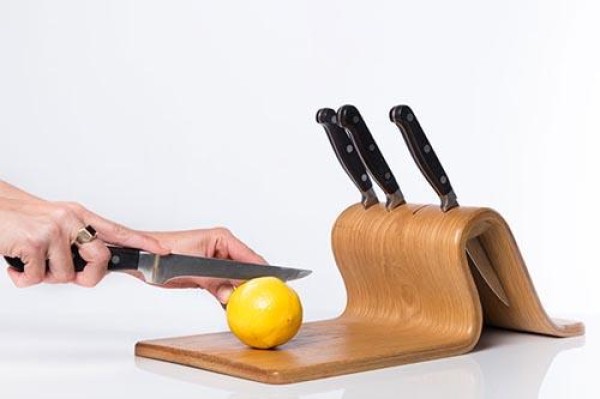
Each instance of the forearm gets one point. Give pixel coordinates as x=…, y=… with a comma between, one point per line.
x=12, y=192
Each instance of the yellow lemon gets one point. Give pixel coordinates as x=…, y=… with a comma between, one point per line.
x=264, y=312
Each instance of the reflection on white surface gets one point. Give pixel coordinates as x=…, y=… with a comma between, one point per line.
x=514, y=365
x=503, y=365
x=72, y=355
x=460, y=377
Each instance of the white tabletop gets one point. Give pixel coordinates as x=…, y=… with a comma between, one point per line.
x=91, y=355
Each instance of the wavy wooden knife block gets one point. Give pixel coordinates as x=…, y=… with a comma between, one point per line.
x=411, y=297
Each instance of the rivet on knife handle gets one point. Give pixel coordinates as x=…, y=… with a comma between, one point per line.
x=347, y=155
x=350, y=119
x=423, y=154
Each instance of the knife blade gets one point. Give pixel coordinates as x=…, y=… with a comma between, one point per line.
x=350, y=119
x=347, y=156
x=426, y=159
x=480, y=260
x=158, y=270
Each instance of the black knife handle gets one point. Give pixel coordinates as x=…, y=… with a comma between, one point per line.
x=350, y=119
x=423, y=154
x=347, y=155
x=120, y=259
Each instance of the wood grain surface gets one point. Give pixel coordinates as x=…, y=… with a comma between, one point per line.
x=411, y=297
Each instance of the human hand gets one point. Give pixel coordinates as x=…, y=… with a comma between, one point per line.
x=210, y=243
x=37, y=230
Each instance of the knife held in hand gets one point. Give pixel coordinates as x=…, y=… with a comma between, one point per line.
x=158, y=270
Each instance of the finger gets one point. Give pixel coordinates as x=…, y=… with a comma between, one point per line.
x=14, y=275
x=96, y=255
x=224, y=292
x=34, y=270
x=60, y=259
x=186, y=282
x=221, y=289
x=115, y=233
x=237, y=250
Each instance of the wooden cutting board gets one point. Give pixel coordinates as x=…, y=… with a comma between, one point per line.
x=411, y=297
x=326, y=348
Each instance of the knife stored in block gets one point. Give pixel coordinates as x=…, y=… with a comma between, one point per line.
x=349, y=118
x=158, y=269
x=431, y=167
x=347, y=155
x=423, y=154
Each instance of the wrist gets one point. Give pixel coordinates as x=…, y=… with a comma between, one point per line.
x=11, y=192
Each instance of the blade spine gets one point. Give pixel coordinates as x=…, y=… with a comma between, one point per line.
x=196, y=266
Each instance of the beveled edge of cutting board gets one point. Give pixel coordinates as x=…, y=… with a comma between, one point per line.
x=167, y=349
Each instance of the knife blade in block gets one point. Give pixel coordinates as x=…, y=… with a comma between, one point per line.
x=426, y=159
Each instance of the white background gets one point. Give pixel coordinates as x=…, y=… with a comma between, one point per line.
x=183, y=114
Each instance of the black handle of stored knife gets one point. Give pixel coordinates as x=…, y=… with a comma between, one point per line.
x=344, y=149
x=350, y=119
x=120, y=259
x=423, y=154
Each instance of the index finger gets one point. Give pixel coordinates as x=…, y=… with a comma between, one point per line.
x=237, y=250
x=115, y=233
x=96, y=255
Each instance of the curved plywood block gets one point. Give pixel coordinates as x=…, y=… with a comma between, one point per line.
x=525, y=312
x=404, y=268
x=411, y=297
